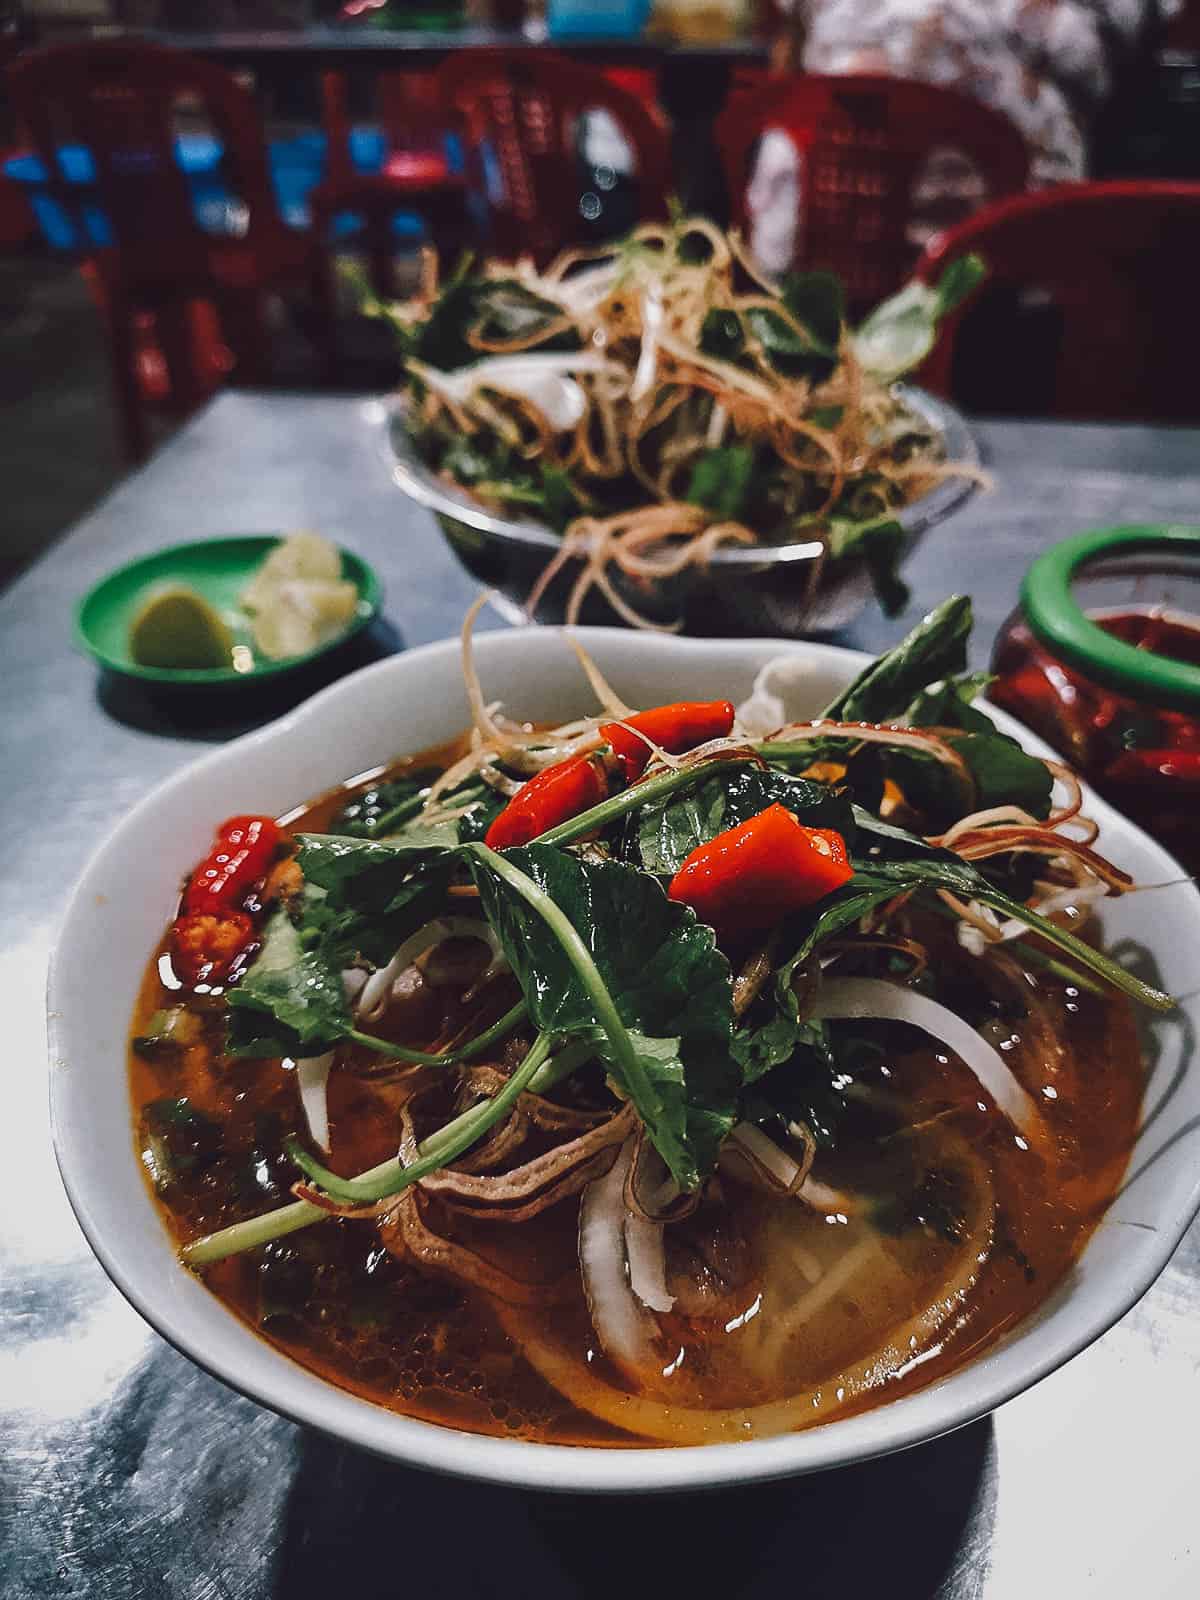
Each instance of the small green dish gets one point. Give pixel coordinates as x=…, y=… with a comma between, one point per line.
x=219, y=569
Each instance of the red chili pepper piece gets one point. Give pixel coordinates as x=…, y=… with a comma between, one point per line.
x=244, y=849
x=749, y=877
x=553, y=796
x=205, y=944
x=675, y=728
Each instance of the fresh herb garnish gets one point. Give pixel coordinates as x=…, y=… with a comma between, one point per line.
x=601, y=953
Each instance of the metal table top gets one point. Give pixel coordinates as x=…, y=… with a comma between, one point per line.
x=124, y=1471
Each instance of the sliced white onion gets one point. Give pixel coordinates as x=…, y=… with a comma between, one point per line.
x=620, y=1321
x=312, y=1080
x=765, y=709
x=543, y=378
x=839, y=998
x=378, y=988
x=647, y=1262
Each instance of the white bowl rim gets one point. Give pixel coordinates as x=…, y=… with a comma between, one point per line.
x=289, y=1389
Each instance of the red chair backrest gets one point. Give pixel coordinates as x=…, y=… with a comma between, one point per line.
x=524, y=110
x=862, y=143
x=120, y=100
x=1117, y=262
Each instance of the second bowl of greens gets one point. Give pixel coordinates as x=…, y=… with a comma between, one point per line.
x=654, y=432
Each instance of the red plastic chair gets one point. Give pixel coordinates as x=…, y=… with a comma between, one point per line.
x=1115, y=266
x=520, y=114
x=863, y=143
x=374, y=199
x=413, y=120
x=120, y=100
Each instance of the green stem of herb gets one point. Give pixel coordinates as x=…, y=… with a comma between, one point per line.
x=445, y=1145
x=1059, y=969
x=792, y=749
x=631, y=1071
x=1100, y=964
x=641, y=794
x=443, y=1058
x=255, y=1231
x=398, y=814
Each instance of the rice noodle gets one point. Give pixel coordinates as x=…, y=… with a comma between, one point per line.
x=1041, y=840
x=862, y=998
x=652, y=1418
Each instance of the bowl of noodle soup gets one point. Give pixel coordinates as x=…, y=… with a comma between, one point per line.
x=415, y=702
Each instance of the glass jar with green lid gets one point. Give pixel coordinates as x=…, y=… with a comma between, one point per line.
x=1103, y=660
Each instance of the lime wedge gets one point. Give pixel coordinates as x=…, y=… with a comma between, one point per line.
x=177, y=627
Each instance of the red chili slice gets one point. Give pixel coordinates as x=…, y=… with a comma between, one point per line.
x=553, y=796
x=751, y=876
x=674, y=728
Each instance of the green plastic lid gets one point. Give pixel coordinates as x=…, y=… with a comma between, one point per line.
x=1059, y=622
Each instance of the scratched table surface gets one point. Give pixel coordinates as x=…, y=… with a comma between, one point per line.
x=126, y=1472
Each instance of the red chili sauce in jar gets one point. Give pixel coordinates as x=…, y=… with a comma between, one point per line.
x=1132, y=734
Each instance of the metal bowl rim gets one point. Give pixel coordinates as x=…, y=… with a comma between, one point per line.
x=427, y=489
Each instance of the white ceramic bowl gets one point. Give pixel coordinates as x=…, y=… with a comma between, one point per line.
x=405, y=704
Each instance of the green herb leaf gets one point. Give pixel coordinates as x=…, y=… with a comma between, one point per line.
x=383, y=806
x=900, y=332
x=936, y=648
x=789, y=354
x=874, y=884
x=290, y=1002
x=722, y=335
x=670, y=829
x=561, y=500
x=880, y=544
x=721, y=480
x=950, y=703
x=1004, y=773
x=760, y=1047
x=661, y=972
x=960, y=280
x=500, y=310
x=818, y=301
x=377, y=893
x=877, y=840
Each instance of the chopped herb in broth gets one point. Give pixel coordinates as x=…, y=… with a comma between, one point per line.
x=653, y=1079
